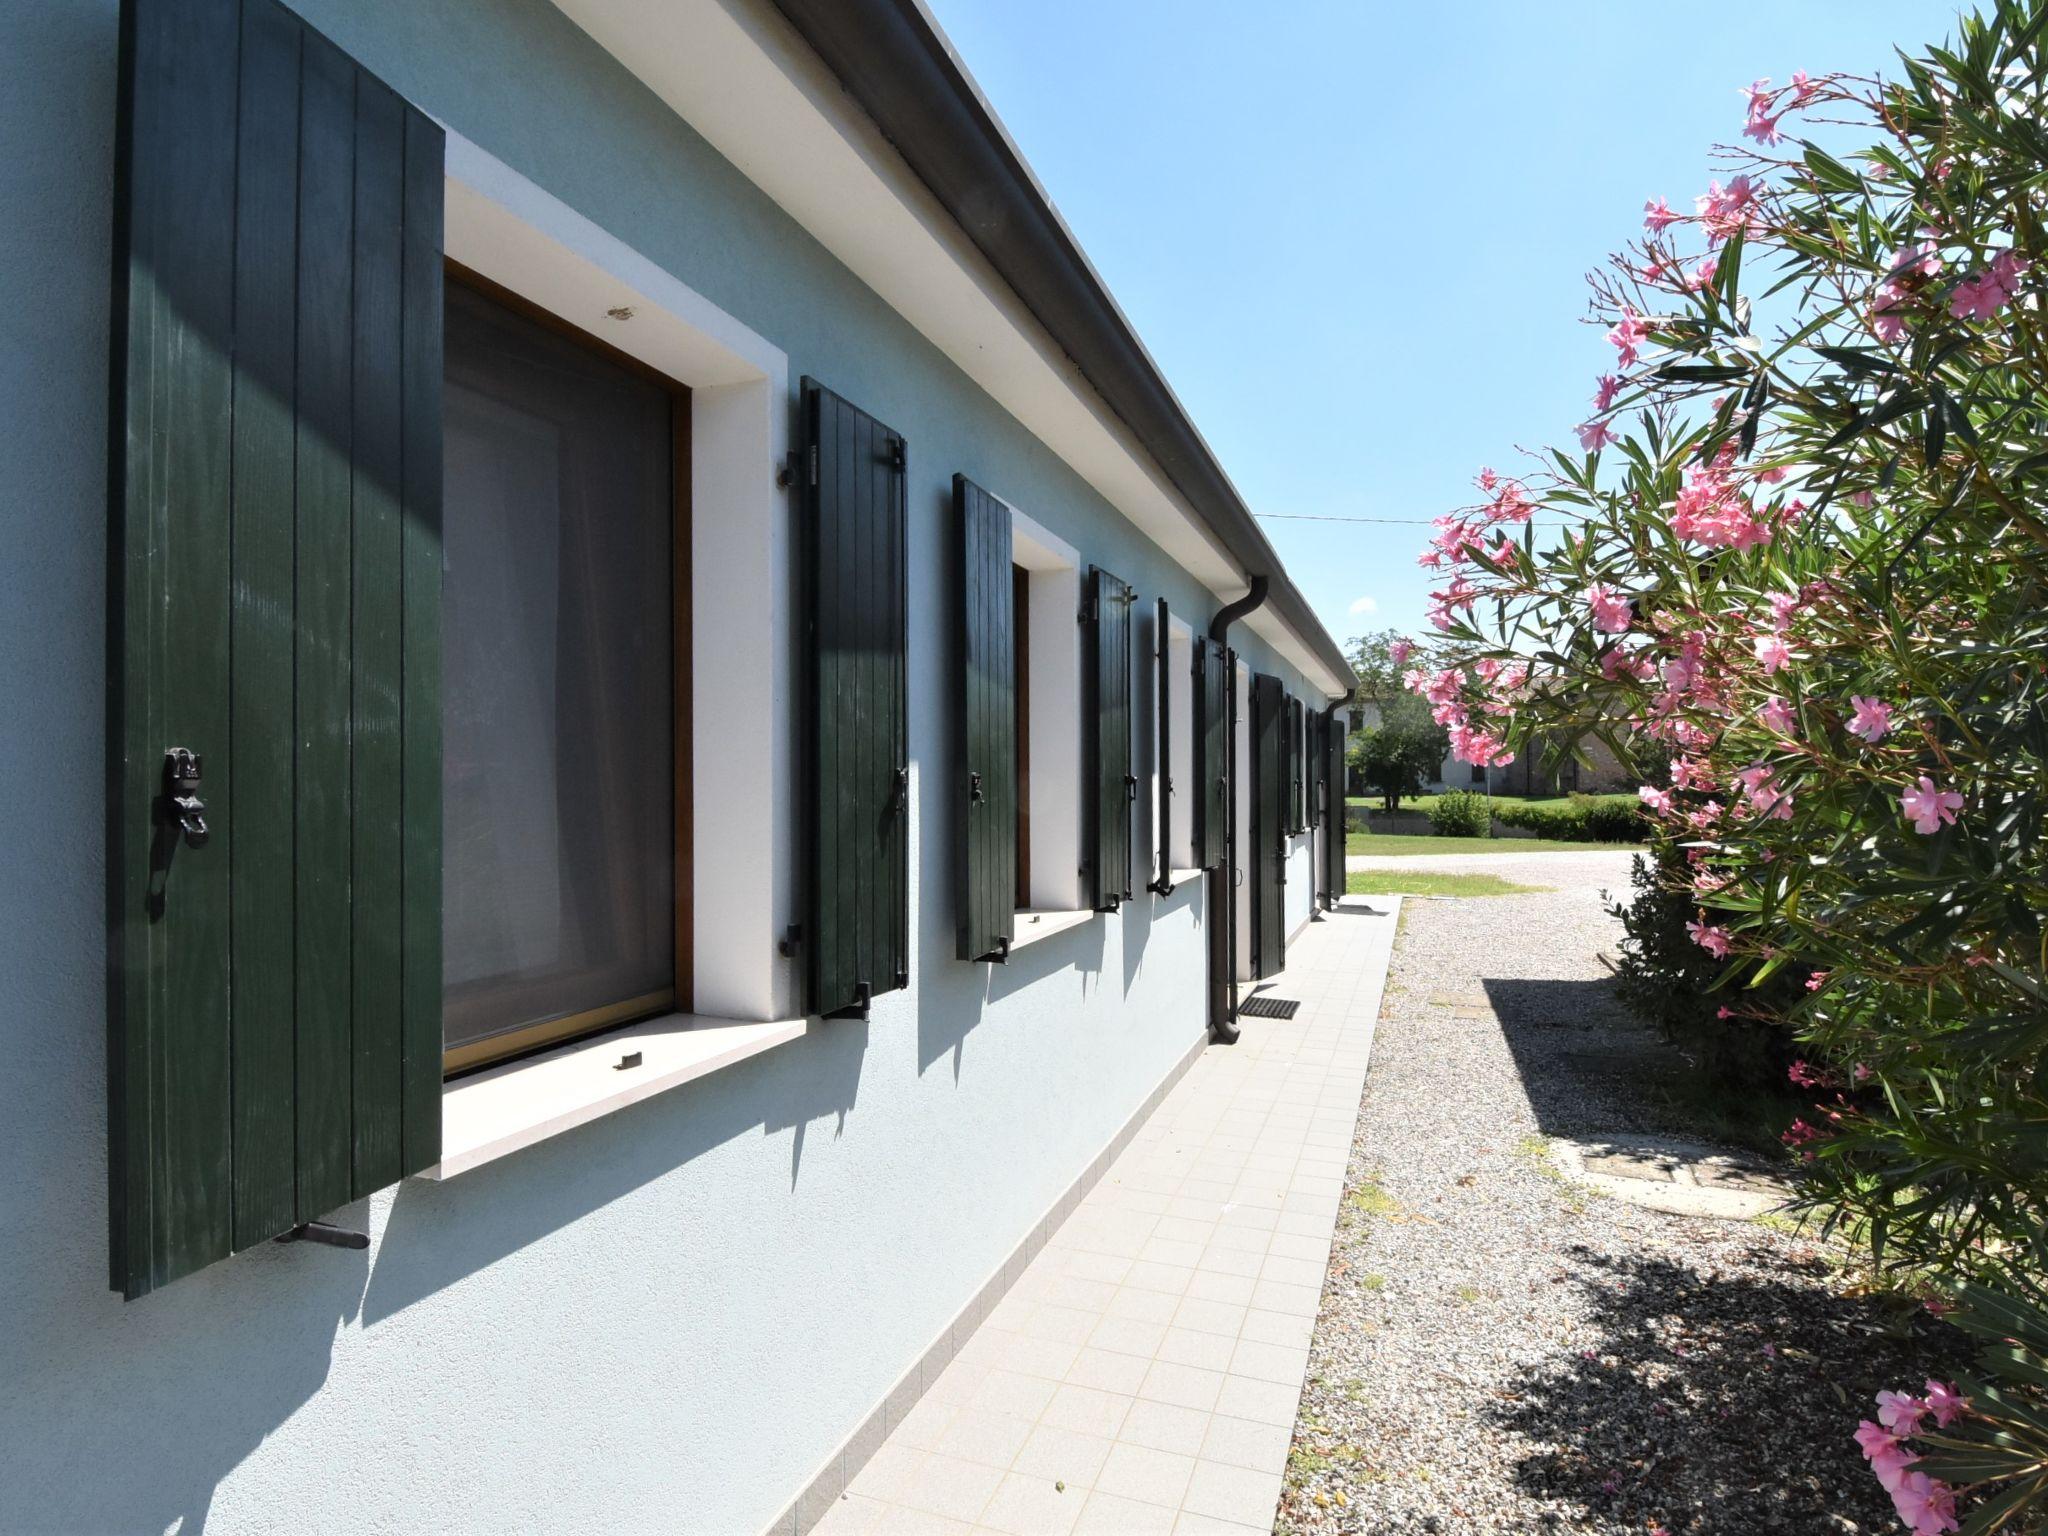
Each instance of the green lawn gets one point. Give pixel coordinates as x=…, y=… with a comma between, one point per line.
x=1409, y=882
x=1551, y=802
x=1387, y=844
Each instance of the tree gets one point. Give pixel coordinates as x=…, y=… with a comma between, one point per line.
x=1403, y=752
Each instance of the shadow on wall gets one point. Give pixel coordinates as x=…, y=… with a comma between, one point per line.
x=1680, y=1415
x=217, y=1362
x=438, y=1233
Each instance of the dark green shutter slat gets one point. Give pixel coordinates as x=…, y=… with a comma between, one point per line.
x=1212, y=749
x=326, y=243
x=262, y=524
x=420, y=1066
x=376, y=791
x=857, y=752
x=1162, y=684
x=170, y=1147
x=1106, y=713
x=986, y=793
x=1270, y=785
x=266, y=264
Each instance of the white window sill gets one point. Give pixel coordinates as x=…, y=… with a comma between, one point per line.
x=1031, y=926
x=1186, y=876
x=499, y=1111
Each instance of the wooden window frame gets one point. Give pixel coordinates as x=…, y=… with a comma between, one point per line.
x=678, y=997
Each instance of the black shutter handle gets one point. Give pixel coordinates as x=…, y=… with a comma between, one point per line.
x=182, y=778
x=974, y=787
x=1130, y=786
x=899, y=797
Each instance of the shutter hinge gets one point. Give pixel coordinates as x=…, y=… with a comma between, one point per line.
x=899, y=457
x=814, y=466
x=792, y=937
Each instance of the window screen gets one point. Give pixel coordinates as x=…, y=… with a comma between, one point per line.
x=558, y=683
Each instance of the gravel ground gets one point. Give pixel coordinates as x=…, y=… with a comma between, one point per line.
x=1500, y=1350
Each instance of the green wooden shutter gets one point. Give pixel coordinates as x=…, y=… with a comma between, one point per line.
x=858, y=760
x=1315, y=722
x=1162, y=744
x=275, y=1030
x=987, y=792
x=1107, y=721
x=1212, y=749
x=1270, y=785
x=1333, y=842
x=1297, y=798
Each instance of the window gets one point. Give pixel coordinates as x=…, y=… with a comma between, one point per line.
x=565, y=683
x=1046, y=582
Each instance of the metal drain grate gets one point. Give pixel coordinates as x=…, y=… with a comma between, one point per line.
x=1269, y=1007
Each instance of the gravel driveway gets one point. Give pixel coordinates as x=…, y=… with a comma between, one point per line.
x=1500, y=1350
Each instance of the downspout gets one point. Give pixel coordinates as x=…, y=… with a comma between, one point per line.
x=1222, y=883
x=1334, y=830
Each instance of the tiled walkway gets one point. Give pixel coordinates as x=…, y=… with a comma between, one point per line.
x=1142, y=1375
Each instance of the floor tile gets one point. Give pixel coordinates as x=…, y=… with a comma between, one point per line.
x=1187, y=1386
x=1233, y=1493
x=1107, y=1514
x=1087, y=1409
x=951, y=1486
x=993, y=1439
x=1108, y=1372
x=1247, y=1443
x=1068, y=1455
x=1032, y=1506
x=1149, y=1476
x=1165, y=1427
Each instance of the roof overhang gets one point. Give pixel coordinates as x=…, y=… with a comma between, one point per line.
x=860, y=121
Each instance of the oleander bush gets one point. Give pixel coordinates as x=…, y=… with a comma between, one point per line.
x=1804, y=567
x=1460, y=813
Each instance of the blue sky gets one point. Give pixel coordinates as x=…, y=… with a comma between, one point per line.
x=1354, y=235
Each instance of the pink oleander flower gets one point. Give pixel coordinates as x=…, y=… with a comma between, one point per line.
x=1926, y=1504
x=1445, y=686
x=1945, y=1403
x=1613, y=614
x=1760, y=123
x=1804, y=1076
x=1658, y=800
x=1922, y=257
x=1604, y=391
x=1691, y=773
x=1901, y=1412
x=1799, y=1133
x=1724, y=210
x=1773, y=653
x=1682, y=673
x=1927, y=807
x=1779, y=716
x=1595, y=435
x=1784, y=607
x=1872, y=719
x=1710, y=937
x=1981, y=296
x=1657, y=216
x=1628, y=334
x=1399, y=652
x=1887, y=312
x=1816, y=981
x=1702, y=275
x=1803, y=88
x=1872, y=1439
